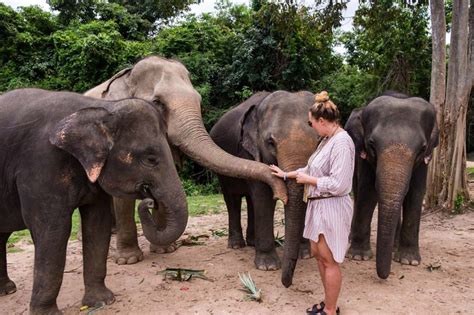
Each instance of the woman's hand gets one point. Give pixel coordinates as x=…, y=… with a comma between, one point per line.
x=303, y=178
x=277, y=171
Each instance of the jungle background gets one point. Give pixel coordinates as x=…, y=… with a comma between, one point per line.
x=230, y=53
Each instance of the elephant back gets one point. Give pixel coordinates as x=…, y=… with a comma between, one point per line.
x=226, y=133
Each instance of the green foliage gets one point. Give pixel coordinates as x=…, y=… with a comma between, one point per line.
x=91, y=53
x=25, y=46
x=130, y=26
x=459, y=203
x=397, y=51
x=284, y=47
x=155, y=10
x=349, y=88
x=132, y=15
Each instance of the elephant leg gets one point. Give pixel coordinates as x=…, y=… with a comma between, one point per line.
x=234, y=203
x=408, y=252
x=113, y=229
x=128, y=251
x=159, y=216
x=250, y=236
x=96, y=231
x=266, y=257
x=50, y=236
x=6, y=285
x=364, y=206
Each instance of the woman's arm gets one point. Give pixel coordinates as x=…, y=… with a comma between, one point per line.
x=301, y=177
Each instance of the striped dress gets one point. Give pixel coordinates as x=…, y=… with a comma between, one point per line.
x=333, y=165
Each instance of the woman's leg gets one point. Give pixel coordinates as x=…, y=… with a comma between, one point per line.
x=332, y=275
x=315, y=252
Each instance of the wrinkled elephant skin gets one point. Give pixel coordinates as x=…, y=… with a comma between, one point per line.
x=270, y=128
x=166, y=83
x=394, y=136
x=62, y=151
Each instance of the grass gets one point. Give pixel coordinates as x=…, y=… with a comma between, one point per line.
x=470, y=171
x=197, y=205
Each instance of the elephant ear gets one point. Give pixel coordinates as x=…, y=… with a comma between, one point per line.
x=86, y=136
x=249, y=130
x=434, y=138
x=116, y=76
x=355, y=129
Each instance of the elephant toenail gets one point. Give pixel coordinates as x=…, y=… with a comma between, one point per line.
x=357, y=257
x=415, y=263
x=405, y=261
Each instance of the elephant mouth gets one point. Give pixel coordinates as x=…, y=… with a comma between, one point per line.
x=144, y=191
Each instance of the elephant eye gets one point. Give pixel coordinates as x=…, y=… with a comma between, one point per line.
x=151, y=160
x=271, y=141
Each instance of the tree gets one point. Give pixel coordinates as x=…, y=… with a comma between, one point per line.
x=139, y=15
x=155, y=10
x=447, y=182
x=286, y=46
x=391, y=42
x=69, y=10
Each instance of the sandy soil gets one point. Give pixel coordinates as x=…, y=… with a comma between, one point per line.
x=446, y=241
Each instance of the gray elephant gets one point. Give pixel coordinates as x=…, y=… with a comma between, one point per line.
x=166, y=83
x=270, y=128
x=64, y=150
x=394, y=137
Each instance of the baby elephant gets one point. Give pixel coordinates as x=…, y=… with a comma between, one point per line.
x=60, y=151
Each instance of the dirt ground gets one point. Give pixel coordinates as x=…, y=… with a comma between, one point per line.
x=447, y=242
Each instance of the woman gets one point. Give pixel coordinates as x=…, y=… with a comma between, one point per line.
x=328, y=180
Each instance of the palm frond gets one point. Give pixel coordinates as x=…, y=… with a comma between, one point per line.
x=253, y=293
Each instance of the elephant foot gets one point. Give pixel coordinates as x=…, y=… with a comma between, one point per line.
x=163, y=249
x=236, y=243
x=305, y=251
x=98, y=296
x=45, y=310
x=250, y=241
x=407, y=256
x=267, y=260
x=7, y=287
x=359, y=254
x=128, y=256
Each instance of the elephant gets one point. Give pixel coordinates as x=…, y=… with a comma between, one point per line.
x=270, y=128
x=61, y=151
x=394, y=136
x=166, y=83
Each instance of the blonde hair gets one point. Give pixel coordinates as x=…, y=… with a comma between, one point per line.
x=324, y=108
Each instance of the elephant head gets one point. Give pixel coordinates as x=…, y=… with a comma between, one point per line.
x=122, y=146
x=395, y=134
x=275, y=131
x=166, y=83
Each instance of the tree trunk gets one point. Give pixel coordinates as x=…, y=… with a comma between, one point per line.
x=447, y=176
x=438, y=90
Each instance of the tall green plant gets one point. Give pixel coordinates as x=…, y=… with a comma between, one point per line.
x=397, y=51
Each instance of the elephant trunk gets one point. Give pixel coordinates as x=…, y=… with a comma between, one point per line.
x=394, y=167
x=295, y=210
x=187, y=132
x=175, y=208
x=294, y=223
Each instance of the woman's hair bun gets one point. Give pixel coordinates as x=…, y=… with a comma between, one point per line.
x=321, y=97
